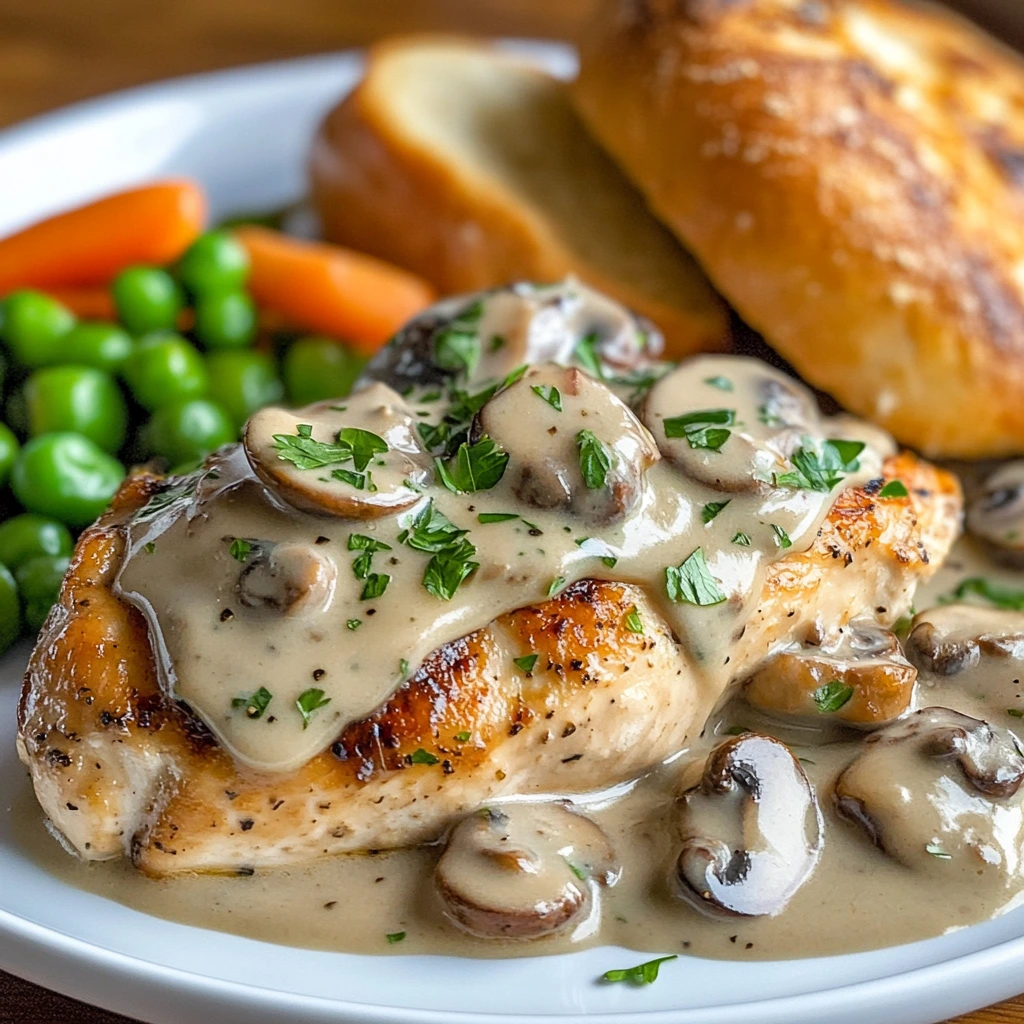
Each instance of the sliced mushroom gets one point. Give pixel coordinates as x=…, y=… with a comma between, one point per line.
x=291, y=579
x=996, y=515
x=751, y=829
x=761, y=413
x=555, y=418
x=305, y=455
x=862, y=679
x=523, y=323
x=954, y=638
x=523, y=870
x=934, y=785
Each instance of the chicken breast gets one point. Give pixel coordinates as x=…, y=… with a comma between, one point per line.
x=123, y=769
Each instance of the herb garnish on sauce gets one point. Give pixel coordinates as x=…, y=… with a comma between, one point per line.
x=595, y=459
x=309, y=701
x=692, y=582
x=832, y=696
x=702, y=429
x=642, y=974
x=255, y=704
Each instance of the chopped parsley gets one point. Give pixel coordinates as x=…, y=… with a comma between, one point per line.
x=496, y=517
x=431, y=530
x=309, y=701
x=937, y=851
x=447, y=569
x=739, y=537
x=476, y=467
x=463, y=736
x=354, y=624
x=457, y=345
x=1001, y=597
x=781, y=537
x=403, y=667
x=579, y=870
x=1015, y=712
x=632, y=620
x=692, y=582
x=702, y=429
x=352, y=478
x=352, y=445
x=364, y=445
x=394, y=937
x=894, y=489
x=711, y=509
x=642, y=974
x=149, y=547
x=586, y=355
x=556, y=585
x=374, y=583
x=550, y=394
x=527, y=662
x=722, y=383
x=595, y=459
x=240, y=549
x=255, y=704
x=832, y=696
x=422, y=756
x=814, y=471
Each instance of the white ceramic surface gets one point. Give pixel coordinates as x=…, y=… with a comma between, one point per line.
x=243, y=134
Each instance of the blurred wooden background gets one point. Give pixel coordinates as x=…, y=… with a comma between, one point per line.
x=54, y=52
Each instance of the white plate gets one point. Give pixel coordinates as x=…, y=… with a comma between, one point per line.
x=244, y=135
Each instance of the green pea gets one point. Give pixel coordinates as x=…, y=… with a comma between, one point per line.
x=34, y=326
x=8, y=453
x=242, y=382
x=103, y=346
x=39, y=582
x=147, y=299
x=66, y=477
x=79, y=399
x=186, y=431
x=165, y=368
x=10, y=609
x=225, y=320
x=29, y=536
x=319, y=368
x=214, y=262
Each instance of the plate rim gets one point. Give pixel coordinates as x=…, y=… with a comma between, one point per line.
x=27, y=945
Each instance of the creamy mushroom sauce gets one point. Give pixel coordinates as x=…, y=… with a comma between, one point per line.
x=928, y=831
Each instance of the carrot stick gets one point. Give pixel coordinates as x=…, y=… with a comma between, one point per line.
x=89, y=245
x=86, y=303
x=334, y=291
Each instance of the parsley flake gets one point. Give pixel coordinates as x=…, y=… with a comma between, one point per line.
x=375, y=585
x=309, y=701
x=586, y=355
x=781, y=537
x=937, y=851
x=556, y=585
x=354, y=624
x=496, y=517
x=422, y=756
x=240, y=549
x=894, y=489
x=457, y=345
x=692, y=582
x=476, y=467
x=527, y=662
x=255, y=704
x=832, y=696
x=702, y=429
x=550, y=394
x=711, y=509
x=463, y=736
x=632, y=620
x=814, y=471
x=1015, y=712
x=394, y=937
x=739, y=537
x=595, y=459
x=642, y=974
x=1001, y=597
x=722, y=383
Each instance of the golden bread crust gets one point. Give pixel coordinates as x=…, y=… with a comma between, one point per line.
x=851, y=175
x=434, y=208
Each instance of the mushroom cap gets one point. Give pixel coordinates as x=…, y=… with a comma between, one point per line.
x=334, y=481
x=751, y=829
x=996, y=514
x=936, y=780
x=523, y=870
x=952, y=638
x=294, y=579
x=768, y=415
x=534, y=323
x=545, y=471
x=867, y=659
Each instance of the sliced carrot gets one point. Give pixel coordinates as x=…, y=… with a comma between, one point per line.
x=86, y=303
x=89, y=245
x=334, y=291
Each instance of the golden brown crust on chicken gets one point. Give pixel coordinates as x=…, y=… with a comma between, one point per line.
x=472, y=169
x=120, y=768
x=851, y=175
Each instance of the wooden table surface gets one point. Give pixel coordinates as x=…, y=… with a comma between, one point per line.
x=54, y=52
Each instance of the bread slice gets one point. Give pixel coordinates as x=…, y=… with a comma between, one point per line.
x=471, y=168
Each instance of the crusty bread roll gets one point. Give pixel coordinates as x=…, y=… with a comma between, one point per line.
x=472, y=169
x=851, y=175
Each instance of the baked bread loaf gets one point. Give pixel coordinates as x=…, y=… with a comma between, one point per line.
x=850, y=173
x=471, y=168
